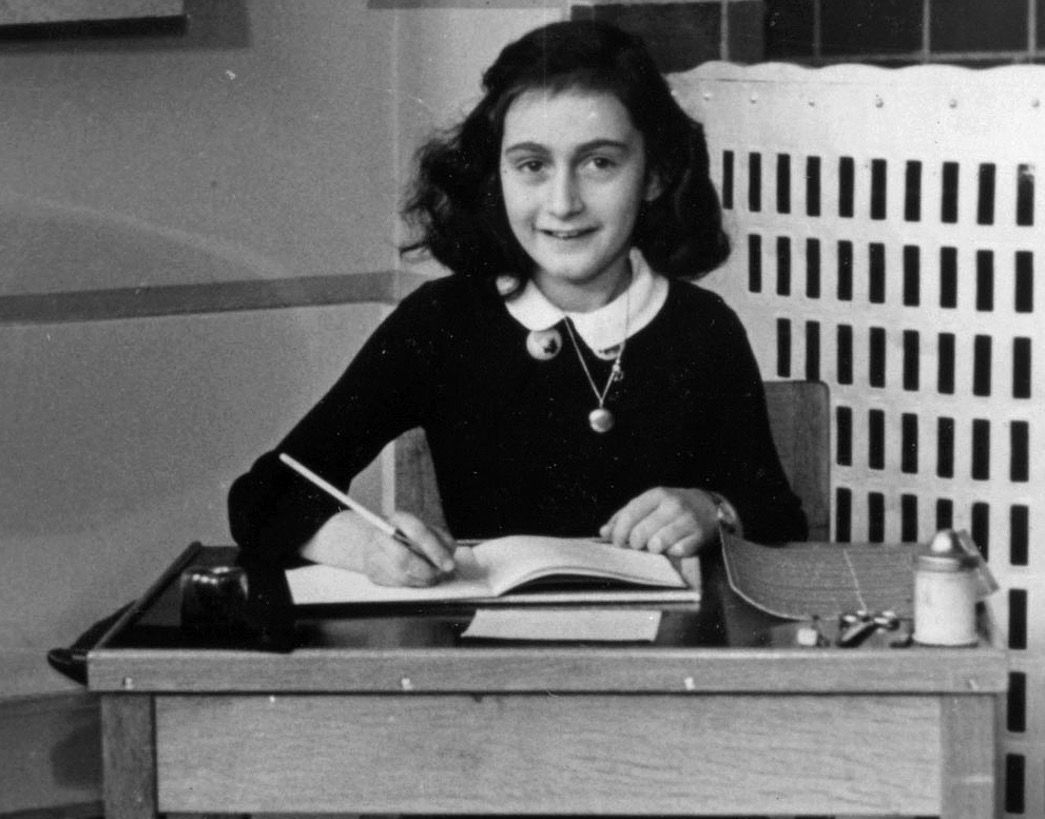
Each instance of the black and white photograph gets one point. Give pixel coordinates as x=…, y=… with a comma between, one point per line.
x=555, y=408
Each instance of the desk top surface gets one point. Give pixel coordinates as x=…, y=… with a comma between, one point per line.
x=722, y=645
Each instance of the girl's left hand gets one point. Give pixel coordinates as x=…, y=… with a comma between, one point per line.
x=676, y=521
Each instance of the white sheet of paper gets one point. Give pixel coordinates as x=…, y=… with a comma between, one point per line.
x=597, y=625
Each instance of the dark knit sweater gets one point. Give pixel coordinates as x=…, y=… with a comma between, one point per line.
x=509, y=434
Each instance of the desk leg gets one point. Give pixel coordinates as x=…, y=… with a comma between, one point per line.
x=968, y=781
x=129, y=756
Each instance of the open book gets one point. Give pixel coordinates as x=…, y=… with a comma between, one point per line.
x=578, y=570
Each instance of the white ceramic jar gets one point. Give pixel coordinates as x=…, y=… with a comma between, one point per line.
x=945, y=593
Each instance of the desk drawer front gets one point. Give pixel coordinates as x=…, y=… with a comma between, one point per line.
x=542, y=753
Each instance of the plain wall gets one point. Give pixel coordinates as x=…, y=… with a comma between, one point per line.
x=268, y=141
x=265, y=129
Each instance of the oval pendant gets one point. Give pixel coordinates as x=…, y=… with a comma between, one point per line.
x=601, y=419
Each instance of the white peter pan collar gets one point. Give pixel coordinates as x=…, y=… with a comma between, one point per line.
x=601, y=329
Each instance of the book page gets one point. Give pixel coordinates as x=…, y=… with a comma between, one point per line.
x=318, y=585
x=492, y=568
x=512, y=561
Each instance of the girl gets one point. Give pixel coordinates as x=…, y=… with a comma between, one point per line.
x=569, y=382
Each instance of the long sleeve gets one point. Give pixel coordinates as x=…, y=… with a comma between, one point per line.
x=750, y=474
x=272, y=510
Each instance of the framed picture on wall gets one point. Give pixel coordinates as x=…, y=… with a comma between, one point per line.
x=32, y=12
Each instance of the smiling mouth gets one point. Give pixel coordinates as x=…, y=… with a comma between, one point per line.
x=568, y=234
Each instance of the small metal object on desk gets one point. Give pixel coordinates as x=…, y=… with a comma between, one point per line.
x=810, y=635
x=213, y=599
x=855, y=627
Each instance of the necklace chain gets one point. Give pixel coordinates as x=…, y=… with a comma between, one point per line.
x=617, y=370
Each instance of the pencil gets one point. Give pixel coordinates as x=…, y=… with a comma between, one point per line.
x=357, y=507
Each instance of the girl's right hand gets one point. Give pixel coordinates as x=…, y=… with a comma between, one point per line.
x=349, y=542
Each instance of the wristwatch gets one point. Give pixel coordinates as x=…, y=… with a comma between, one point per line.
x=726, y=514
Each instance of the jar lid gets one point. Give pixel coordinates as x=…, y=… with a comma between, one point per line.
x=945, y=554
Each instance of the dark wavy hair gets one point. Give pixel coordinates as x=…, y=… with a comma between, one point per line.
x=455, y=206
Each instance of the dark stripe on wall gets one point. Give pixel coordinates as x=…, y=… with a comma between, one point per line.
x=384, y=286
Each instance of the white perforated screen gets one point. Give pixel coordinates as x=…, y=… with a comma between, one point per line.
x=887, y=229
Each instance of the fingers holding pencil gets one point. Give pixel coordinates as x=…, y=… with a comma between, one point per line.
x=432, y=544
x=387, y=560
x=350, y=542
x=403, y=551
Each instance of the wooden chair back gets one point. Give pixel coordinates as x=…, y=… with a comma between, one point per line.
x=800, y=419
x=798, y=415
x=416, y=490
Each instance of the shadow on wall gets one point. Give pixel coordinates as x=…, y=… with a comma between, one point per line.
x=107, y=418
x=49, y=247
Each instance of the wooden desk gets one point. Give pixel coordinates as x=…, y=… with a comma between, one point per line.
x=390, y=714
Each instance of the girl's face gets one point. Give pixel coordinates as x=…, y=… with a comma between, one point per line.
x=573, y=176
